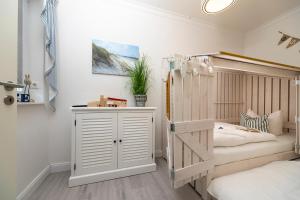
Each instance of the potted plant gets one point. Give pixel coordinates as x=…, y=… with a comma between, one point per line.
x=139, y=80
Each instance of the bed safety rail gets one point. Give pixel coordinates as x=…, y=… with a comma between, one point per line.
x=201, y=150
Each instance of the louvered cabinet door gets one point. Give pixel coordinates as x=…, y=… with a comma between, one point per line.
x=135, y=139
x=95, y=147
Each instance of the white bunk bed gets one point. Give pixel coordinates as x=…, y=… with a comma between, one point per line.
x=232, y=159
x=197, y=96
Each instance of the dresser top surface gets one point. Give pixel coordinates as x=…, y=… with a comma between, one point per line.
x=112, y=109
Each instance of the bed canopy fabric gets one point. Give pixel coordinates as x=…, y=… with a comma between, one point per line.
x=201, y=89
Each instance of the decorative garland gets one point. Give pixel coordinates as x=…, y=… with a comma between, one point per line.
x=190, y=64
x=285, y=37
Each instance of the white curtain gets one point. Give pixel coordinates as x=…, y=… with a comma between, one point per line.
x=48, y=17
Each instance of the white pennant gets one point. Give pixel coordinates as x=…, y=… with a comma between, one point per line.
x=293, y=42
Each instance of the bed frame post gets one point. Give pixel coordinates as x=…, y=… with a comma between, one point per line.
x=297, y=117
x=202, y=184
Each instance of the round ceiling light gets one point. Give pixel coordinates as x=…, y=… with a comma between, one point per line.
x=215, y=6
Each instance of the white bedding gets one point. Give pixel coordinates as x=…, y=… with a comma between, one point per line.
x=223, y=155
x=276, y=181
x=228, y=135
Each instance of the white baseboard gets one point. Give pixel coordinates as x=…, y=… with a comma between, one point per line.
x=158, y=153
x=60, y=167
x=34, y=184
x=108, y=175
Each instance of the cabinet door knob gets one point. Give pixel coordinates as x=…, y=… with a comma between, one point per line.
x=120, y=140
x=115, y=141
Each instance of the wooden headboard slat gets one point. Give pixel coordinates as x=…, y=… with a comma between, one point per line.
x=237, y=92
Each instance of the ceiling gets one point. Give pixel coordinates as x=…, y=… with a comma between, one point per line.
x=244, y=15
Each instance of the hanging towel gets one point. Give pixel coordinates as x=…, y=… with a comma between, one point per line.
x=48, y=19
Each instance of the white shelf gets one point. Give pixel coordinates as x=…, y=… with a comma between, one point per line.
x=111, y=108
x=30, y=103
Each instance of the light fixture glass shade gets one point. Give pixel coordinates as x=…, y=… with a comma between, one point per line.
x=215, y=6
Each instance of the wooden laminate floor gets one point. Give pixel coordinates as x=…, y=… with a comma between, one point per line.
x=149, y=186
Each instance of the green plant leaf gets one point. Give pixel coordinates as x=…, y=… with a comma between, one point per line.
x=139, y=77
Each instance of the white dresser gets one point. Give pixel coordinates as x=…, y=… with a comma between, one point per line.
x=109, y=143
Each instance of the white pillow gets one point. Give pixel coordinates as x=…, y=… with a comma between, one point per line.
x=275, y=121
x=251, y=113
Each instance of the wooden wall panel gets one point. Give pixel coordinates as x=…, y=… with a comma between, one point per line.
x=222, y=116
x=219, y=92
x=248, y=91
x=268, y=95
x=226, y=92
x=261, y=95
x=275, y=94
x=229, y=97
x=238, y=95
x=244, y=92
x=187, y=115
x=239, y=91
x=292, y=100
x=230, y=94
x=284, y=98
x=254, y=103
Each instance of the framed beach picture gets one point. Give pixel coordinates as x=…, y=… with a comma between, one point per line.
x=113, y=58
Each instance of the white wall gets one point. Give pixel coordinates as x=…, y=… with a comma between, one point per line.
x=32, y=144
x=158, y=34
x=33, y=45
x=32, y=130
x=262, y=42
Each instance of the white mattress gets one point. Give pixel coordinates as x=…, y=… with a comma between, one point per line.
x=276, y=181
x=223, y=155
